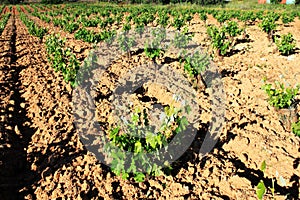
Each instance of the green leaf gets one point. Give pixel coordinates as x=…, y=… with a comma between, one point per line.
x=263, y=166
x=138, y=147
x=260, y=190
x=132, y=167
x=150, y=139
x=139, y=177
x=188, y=109
x=296, y=128
x=125, y=175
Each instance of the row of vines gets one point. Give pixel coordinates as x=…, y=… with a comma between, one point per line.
x=94, y=24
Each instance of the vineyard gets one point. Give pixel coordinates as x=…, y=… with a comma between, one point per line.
x=253, y=53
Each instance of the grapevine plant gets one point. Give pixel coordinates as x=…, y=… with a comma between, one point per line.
x=262, y=187
x=153, y=49
x=126, y=42
x=280, y=96
x=3, y=22
x=286, y=44
x=195, y=64
x=62, y=58
x=287, y=18
x=222, y=38
x=296, y=128
x=268, y=25
x=131, y=140
x=33, y=29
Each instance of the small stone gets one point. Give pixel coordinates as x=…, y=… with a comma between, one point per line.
x=292, y=57
x=263, y=59
x=17, y=131
x=77, y=49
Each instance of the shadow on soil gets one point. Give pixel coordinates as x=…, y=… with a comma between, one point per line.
x=253, y=175
x=15, y=129
x=15, y=171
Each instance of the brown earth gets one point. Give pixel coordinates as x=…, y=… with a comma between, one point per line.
x=41, y=156
x=5, y=10
x=23, y=9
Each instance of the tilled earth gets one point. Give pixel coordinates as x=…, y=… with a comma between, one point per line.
x=41, y=156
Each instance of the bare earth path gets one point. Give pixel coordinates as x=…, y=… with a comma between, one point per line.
x=15, y=131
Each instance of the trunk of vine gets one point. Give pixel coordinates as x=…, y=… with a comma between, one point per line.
x=129, y=55
x=200, y=82
x=287, y=116
x=220, y=56
x=270, y=35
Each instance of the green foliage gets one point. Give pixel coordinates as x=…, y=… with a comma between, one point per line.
x=71, y=27
x=51, y=1
x=126, y=43
x=196, y=63
x=152, y=52
x=163, y=18
x=126, y=27
x=62, y=58
x=286, y=44
x=279, y=96
x=131, y=140
x=90, y=22
x=287, y=18
x=33, y=29
x=3, y=21
x=203, y=16
x=152, y=49
x=182, y=38
x=222, y=16
x=45, y=18
x=275, y=1
x=59, y=22
x=248, y=16
x=223, y=38
x=1, y=7
x=232, y=29
x=178, y=22
x=263, y=166
x=296, y=128
x=268, y=25
x=260, y=15
x=218, y=39
x=87, y=36
x=27, y=9
x=140, y=28
x=260, y=189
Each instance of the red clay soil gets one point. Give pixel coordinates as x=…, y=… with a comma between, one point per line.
x=15, y=11
x=5, y=10
x=23, y=10
x=30, y=8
